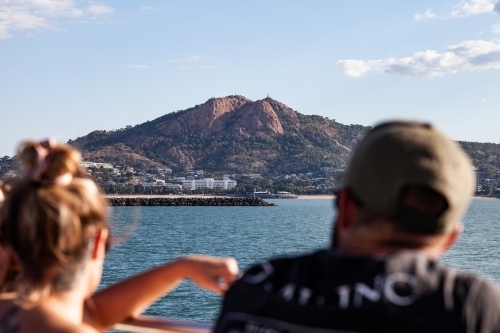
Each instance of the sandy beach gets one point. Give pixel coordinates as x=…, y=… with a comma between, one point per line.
x=163, y=196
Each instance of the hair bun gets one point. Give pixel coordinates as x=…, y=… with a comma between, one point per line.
x=61, y=160
x=49, y=162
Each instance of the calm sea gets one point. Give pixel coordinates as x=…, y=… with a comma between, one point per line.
x=252, y=234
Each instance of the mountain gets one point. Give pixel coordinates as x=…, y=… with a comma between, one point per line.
x=229, y=134
x=486, y=157
x=236, y=135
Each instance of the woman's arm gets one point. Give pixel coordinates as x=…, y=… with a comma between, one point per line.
x=130, y=297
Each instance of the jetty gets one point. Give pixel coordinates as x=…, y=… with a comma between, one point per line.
x=186, y=201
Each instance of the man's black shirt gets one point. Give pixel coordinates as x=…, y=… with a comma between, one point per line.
x=330, y=292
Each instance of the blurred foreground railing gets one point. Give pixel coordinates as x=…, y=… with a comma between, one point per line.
x=161, y=325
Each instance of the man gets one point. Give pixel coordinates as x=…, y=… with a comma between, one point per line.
x=407, y=187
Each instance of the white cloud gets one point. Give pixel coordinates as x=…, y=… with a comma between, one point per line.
x=473, y=7
x=138, y=66
x=496, y=28
x=483, y=100
x=173, y=60
x=146, y=9
x=463, y=9
x=20, y=21
x=208, y=67
x=98, y=10
x=468, y=56
x=357, y=68
x=17, y=15
x=193, y=58
x=427, y=15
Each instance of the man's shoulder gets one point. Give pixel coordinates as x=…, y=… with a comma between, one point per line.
x=328, y=288
x=338, y=269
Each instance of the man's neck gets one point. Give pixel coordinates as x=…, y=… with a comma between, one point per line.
x=367, y=242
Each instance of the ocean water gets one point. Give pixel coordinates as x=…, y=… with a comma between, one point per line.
x=151, y=236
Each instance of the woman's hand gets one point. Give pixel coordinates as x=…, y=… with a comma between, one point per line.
x=211, y=273
x=130, y=297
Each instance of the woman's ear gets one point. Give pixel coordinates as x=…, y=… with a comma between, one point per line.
x=99, y=249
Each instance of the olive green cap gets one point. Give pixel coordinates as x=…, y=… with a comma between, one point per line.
x=396, y=154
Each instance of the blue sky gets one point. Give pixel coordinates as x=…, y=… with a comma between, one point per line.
x=68, y=67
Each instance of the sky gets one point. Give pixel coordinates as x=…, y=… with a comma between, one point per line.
x=69, y=67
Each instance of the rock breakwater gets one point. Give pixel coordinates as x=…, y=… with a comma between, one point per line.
x=117, y=201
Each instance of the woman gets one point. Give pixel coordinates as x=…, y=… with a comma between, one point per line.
x=53, y=224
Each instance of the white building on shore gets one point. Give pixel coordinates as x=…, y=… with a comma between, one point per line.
x=210, y=183
x=162, y=183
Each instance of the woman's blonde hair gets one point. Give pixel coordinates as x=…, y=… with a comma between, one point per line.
x=49, y=218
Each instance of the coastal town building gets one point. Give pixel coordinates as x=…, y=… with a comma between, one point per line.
x=210, y=183
x=332, y=169
x=226, y=184
x=179, y=179
x=162, y=183
x=174, y=186
x=247, y=175
x=97, y=165
x=154, y=182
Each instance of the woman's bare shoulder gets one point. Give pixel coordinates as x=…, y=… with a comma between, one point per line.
x=7, y=296
x=62, y=328
x=87, y=329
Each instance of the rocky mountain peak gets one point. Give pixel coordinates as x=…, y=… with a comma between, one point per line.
x=276, y=105
x=233, y=114
x=207, y=118
x=258, y=119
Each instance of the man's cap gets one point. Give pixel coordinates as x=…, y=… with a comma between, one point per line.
x=398, y=154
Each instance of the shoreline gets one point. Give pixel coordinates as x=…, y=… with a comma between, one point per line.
x=190, y=196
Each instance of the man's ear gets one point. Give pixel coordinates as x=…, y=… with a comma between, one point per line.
x=453, y=236
x=99, y=249
x=345, y=209
x=345, y=217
